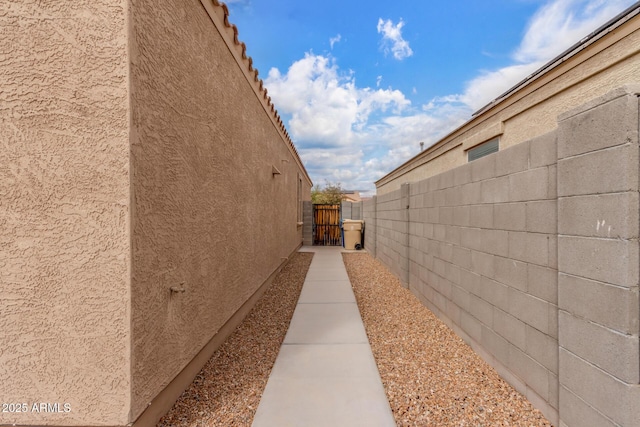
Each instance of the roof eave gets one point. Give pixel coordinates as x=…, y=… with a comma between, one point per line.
x=609, y=26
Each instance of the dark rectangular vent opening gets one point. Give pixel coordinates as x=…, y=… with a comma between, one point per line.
x=483, y=149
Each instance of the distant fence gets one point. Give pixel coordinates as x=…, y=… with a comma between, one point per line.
x=326, y=225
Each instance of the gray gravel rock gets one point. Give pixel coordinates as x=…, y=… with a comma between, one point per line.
x=431, y=376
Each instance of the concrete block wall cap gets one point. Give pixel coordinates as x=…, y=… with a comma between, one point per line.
x=628, y=89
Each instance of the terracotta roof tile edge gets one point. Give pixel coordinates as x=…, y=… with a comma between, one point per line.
x=221, y=11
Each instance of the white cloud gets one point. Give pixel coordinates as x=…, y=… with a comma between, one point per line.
x=490, y=84
x=334, y=40
x=356, y=135
x=555, y=27
x=325, y=106
x=392, y=40
x=561, y=23
x=339, y=127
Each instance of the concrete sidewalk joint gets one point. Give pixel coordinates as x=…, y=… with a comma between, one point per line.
x=325, y=373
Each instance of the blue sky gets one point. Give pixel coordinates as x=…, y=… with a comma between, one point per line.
x=360, y=84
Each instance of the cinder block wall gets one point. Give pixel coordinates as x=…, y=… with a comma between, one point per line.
x=482, y=256
x=356, y=210
x=531, y=255
x=369, y=216
x=351, y=210
x=307, y=223
x=598, y=262
x=346, y=210
x=392, y=236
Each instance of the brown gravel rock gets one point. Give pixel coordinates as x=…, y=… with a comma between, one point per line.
x=228, y=389
x=431, y=376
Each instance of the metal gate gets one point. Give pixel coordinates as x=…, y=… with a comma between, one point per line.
x=326, y=225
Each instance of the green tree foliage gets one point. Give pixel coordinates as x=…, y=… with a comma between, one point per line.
x=331, y=194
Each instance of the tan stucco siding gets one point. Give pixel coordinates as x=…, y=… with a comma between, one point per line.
x=64, y=206
x=531, y=111
x=541, y=118
x=209, y=214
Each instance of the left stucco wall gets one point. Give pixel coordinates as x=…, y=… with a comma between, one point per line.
x=209, y=216
x=64, y=208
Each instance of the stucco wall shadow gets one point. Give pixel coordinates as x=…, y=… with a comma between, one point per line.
x=209, y=216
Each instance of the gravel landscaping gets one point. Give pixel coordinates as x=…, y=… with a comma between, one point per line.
x=227, y=390
x=431, y=376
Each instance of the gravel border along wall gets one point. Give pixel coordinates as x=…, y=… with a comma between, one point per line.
x=228, y=389
x=431, y=376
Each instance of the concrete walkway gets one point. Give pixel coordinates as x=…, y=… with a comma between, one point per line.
x=325, y=374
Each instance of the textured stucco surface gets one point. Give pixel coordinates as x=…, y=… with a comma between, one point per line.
x=138, y=151
x=64, y=205
x=208, y=214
